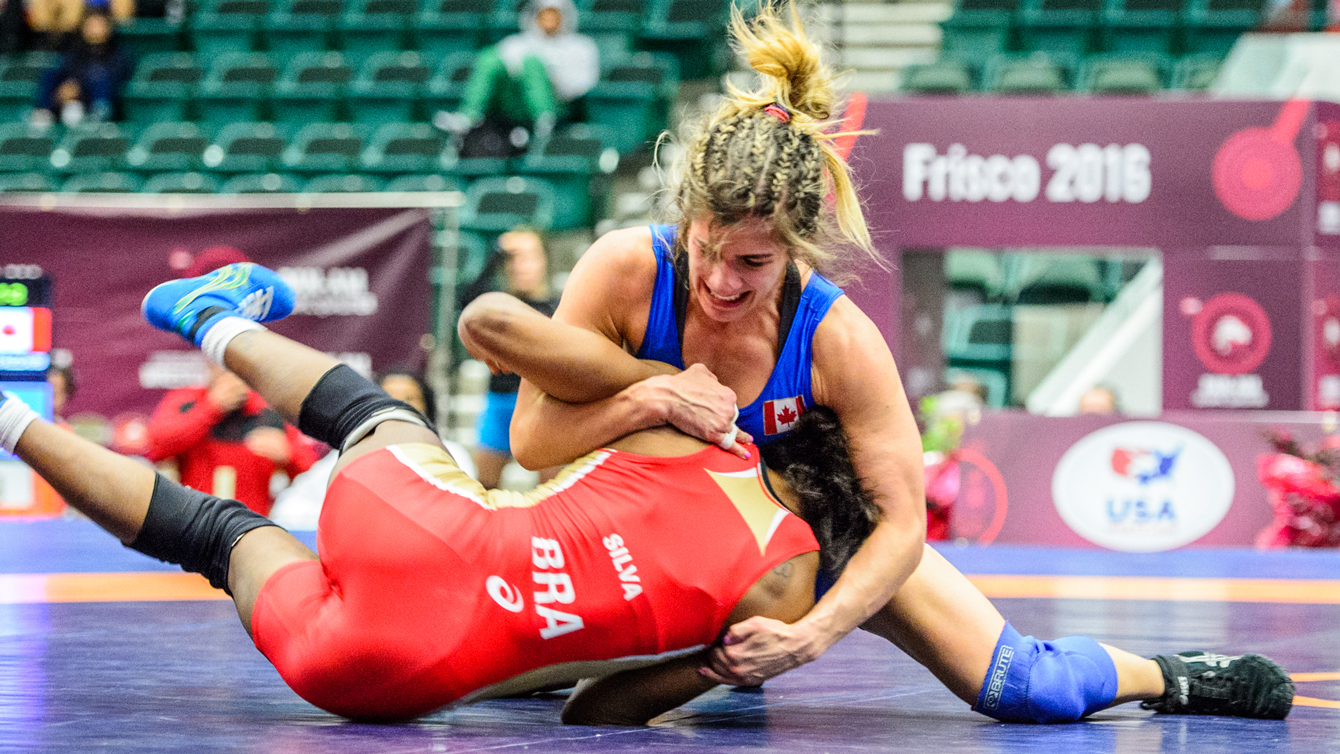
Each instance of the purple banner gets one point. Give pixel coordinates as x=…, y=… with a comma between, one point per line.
x=1138, y=486
x=361, y=276
x=969, y=171
x=1233, y=329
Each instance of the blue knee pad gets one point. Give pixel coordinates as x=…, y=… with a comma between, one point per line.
x=1059, y=681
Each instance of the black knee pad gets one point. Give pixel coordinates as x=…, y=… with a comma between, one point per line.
x=194, y=530
x=342, y=402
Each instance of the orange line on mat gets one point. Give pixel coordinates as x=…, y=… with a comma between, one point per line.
x=1310, y=591
x=30, y=588
x=1302, y=677
x=167, y=586
x=1307, y=701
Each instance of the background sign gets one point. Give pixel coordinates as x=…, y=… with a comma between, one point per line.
x=361, y=276
x=1055, y=489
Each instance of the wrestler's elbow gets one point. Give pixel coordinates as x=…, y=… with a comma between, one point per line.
x=485, y=323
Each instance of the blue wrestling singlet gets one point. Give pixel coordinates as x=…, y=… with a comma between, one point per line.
x=788, y=392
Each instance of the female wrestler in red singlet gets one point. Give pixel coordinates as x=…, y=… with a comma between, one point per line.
x=431, y=590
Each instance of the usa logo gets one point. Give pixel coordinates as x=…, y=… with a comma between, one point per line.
x=781, y=415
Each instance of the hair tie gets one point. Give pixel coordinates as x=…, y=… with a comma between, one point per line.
x=778, y=112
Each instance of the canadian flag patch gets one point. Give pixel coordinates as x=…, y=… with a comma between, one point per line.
x=782, y=414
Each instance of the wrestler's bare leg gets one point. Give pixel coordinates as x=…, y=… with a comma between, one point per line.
x=284, y=372
x=941, y=620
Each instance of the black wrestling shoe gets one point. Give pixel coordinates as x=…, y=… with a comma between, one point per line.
x=1197, y=683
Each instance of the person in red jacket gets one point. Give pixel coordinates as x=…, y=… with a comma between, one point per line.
x=226, y=441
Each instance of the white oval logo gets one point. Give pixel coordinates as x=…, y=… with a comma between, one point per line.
x=503, y=593
x=1143, y=487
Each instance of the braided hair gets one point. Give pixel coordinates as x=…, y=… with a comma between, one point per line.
x=814, y=460
x=768, y=153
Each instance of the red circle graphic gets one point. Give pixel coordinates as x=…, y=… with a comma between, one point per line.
x=1231, y=334
x=1256, y=176
x=972, y=457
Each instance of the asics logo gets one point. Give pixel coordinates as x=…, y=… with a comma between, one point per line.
x=1218, y=661
x=257, y=304
x=507, y=596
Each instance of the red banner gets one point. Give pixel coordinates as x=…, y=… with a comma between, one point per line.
x=361, y=276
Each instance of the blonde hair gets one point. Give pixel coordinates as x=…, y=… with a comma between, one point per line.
x=768, y=153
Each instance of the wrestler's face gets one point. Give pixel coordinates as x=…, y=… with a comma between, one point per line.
x=734, y=269
x=403, y=388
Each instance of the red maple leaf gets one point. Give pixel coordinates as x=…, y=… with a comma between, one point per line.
x=786, y=415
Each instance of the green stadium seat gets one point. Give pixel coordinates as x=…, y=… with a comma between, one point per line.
x=1195, y=73
x=351, y=183
x=325, y=148
x=613, y=24
x=1140, y=25
x=404, y=148
x=472, y=251
x=245, y=148
x=502, y=20
x=446, y=27
x=262, y=183
x=90, y=148
x=146, y=36
x=975, y=272
x=26, y=183
x=302, y=26
x=376, y=25
x=941, y=77
x=576, y=162
x=25, y=148
x=423, y=182
x=228, y=26
x=1124, y=73
x=181, y=183
x=1035, y=73
x=237, y=88
x=694, y=31
x=498, y=204
x=168, y=147
x=18, y=84
x=1059, y=279
x=102, y=183
x=162, y=88
x=1213, y=26
x=447, y=86
x=632, y=99
x=312, y=88
x=389, y=87
x=1059, y=26
x=982, y=337
x=978, y=28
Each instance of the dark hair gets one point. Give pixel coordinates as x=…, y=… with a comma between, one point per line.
x=429, y=397
x=814, y=460
x=68, y=373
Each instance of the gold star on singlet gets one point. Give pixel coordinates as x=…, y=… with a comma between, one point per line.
x=745, y=491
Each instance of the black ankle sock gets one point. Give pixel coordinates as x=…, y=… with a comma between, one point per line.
x=342, y=400
x=194, y=530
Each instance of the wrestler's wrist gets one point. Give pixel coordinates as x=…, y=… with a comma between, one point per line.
x=651, y=404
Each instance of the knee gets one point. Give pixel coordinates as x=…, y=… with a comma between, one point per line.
x=1032, y=681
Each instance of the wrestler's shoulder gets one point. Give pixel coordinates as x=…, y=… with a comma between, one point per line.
x=621, y=258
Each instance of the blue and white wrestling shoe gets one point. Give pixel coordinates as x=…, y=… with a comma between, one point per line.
x=190, y=307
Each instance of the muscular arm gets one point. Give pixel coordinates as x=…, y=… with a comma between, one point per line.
x=578, y=392
x=634, y=697
x=854, y=374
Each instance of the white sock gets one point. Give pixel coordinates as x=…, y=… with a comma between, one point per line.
x=221, y=333
x=15, y=416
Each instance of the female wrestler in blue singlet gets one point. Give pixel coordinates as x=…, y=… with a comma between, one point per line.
x=756, y=223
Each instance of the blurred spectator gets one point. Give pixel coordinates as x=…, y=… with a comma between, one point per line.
x=1100, y=400
x=520, y=255
x=90, y=77
x=54, y=22
x=226, y=441
x=530, y=80
x=14, y=30
x=942, y=418
x=62, y=384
